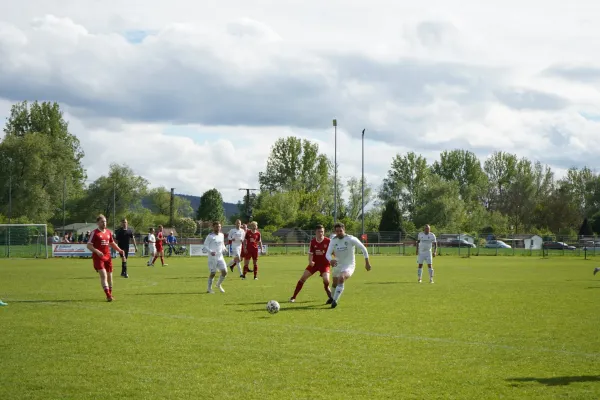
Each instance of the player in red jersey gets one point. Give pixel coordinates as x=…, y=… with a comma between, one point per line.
x=101, y=240
x=253, y=243
x=160, y=251
x=316, y=263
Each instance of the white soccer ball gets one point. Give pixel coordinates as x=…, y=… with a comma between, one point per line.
x=273, y=307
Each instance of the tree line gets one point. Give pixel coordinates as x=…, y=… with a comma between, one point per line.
x=41, y=170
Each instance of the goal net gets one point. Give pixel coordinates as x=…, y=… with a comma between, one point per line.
x=23, y=241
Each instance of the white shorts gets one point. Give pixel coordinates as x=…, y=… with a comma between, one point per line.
x=339, y=269
x=236, y=250
x=425, y=258
x=151, y=250
x=216, y=264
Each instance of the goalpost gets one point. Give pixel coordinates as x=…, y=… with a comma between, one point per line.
x=23, y=241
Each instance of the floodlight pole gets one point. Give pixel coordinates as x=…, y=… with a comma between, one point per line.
x=363, y=185
x=335, y=194
x=10, y=168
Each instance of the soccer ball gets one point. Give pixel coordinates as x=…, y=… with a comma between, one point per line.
x=273, y=307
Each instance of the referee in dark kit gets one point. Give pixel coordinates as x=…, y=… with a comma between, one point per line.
x=124, y=235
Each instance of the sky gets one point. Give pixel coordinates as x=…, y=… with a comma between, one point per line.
x=175, y=88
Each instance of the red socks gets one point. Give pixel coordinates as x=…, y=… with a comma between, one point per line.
x=298, y=289
x=327, y=290
x=255, y=270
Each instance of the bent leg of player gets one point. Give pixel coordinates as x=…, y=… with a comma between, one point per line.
x=223, y=268
x=103, y=282
x=325, y=276
x=151, y=253
x=212, y=268
x=343, y=273
x=246, y=269
x=307, y=274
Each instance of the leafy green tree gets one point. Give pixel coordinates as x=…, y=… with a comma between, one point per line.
x=595, y=223
x=404, y=182
x=354, y=206
x=440, y=205
x=586, y=228
x=186, y=226
x=391, y=217
x=39, y=155
x=501, y=169
x=294, y=165
x=464, y=167
x=122, y=186
x=211, y=207
x=160, y=203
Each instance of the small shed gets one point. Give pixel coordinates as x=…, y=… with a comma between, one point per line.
x=527, y=241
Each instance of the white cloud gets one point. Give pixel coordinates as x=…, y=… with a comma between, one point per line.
x=208, y=85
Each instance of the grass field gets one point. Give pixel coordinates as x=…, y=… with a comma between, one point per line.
x=489, y=328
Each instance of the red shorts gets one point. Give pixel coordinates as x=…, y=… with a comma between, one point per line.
x=105, y=264
x=159, y=249
x=251, y=254
x=321, y=269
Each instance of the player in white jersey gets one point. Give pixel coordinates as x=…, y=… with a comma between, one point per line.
x=426, y=251
x=236, y=239
x=214, y=244
x=344, y=263
x=151, y=247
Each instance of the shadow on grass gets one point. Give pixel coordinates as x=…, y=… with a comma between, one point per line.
x=186, y=277
x=86, y=277
x=386, y=283
x=262, y=302
x=286, y=309
x=52, y=301
x=169, y=293
x=558, y=380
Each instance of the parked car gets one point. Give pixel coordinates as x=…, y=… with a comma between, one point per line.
x=497, y=244
x=591, y=246
x=558, y=246
x=458, y=243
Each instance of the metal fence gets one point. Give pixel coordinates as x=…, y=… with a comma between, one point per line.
x=297, y=242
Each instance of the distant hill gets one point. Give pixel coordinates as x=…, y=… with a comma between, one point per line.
x=230, y=208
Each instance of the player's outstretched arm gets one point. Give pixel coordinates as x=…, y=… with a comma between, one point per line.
x=116, y=248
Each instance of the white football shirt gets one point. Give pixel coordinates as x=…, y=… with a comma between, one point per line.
x=344, y=250
x=151, y=239
x=215, y=242
x=237, y=236
x=426, y=241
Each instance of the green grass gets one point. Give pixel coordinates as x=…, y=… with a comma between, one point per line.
x=489, y=328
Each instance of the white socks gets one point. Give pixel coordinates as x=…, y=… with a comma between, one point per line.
x=338, y=292
x=221, y=279
x=431, y=273
x=210, y=282
x=420, y=272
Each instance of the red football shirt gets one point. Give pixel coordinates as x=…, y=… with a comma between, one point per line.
x=252, y=239
x=159, y=240
x=101, y=241
x=318, y=250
